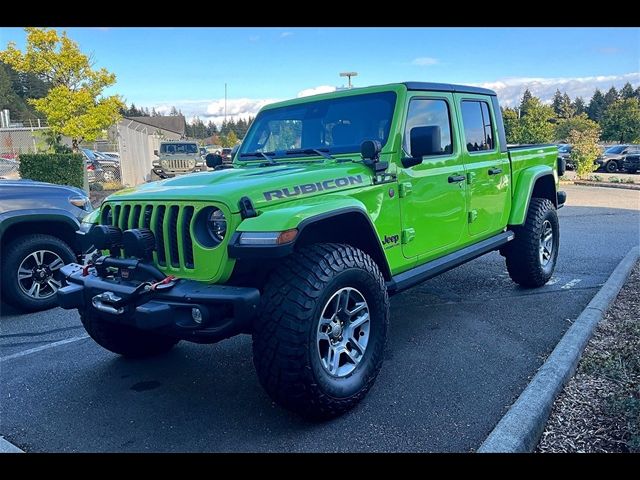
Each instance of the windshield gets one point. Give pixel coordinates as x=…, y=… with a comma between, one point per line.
x=178, y=148
x=615, y=149
x=337, y=125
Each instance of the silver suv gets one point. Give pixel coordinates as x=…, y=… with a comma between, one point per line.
x=178, y=157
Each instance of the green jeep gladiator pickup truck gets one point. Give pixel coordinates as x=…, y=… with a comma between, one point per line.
x=333, y=203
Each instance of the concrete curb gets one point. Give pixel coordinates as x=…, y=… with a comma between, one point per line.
x=624, y=186
x=8, y=447
x=521, y=427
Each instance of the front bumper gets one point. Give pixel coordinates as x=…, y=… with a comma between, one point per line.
x=224, y=310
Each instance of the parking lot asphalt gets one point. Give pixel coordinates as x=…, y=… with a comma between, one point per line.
x=462, y=347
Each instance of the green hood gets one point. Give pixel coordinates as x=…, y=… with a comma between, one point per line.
x=265, y=186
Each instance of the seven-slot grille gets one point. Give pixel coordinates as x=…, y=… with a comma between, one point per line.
x=170, y=225
x=179, y=164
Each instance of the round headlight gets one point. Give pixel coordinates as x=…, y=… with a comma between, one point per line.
x=217, y=225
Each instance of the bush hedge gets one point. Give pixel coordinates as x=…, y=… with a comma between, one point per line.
x=58, y=168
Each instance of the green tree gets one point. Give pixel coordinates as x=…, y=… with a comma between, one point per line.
x=536, y=127
x=511, y=124
x=566, y=107
x=524, y=103
x=579, y=106
x=627, y=91
x=580, y=123
x=621, y=121
x=229, y=140
x=596, y=106
x=174, y=111
x=75, y=105
x=556, y=103
x=637, y=93
x=584, y=150
x=610, y=97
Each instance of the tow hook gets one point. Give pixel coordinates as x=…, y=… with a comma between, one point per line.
x=105, y=303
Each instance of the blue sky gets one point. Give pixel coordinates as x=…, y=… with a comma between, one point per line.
x=188, y=67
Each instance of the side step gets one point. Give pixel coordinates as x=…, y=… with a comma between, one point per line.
x=412, y=277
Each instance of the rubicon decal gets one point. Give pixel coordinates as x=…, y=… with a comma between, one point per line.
x=306, y=188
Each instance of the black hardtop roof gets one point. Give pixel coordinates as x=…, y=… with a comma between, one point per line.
x=447, y=87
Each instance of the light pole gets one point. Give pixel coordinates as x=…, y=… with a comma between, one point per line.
x=225, y=102
x=349, y=75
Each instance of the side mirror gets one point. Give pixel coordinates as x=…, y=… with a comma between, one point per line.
x=155, y=152
x=203, y=151
x=424, y=141
x=213, y=160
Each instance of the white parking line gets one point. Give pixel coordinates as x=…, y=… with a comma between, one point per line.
x=43, y=347
x=570, y=284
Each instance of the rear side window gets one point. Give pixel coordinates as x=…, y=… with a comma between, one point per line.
x=433, y=114
x=478, y=129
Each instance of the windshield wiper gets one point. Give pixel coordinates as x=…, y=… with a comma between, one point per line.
x=323, y=152
x=261, y=154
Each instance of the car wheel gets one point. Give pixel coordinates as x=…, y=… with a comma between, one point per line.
x=611, y=166
x=319, y=341
x=109, y=175
x=31, y=271
x=531, y=256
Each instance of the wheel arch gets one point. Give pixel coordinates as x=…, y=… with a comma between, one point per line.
x=54, y=224
x=533, y=182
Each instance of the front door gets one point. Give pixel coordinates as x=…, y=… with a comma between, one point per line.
x=433, y=193
x=488, y=169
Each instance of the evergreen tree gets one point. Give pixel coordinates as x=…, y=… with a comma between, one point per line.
x=596, y=106
x=536, y=127
x=556, y=103
x=578, y=106
x=566, y=107
x=173, y=112
x=637, y=93
x=621, y=121
x=526, y=98
x=627, y=91
x=511, y=124
x=610, y=97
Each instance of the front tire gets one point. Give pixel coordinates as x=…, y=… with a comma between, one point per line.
x=31, y=271
x=531, y=257
x=124, y=340
x=611, y=166
x=318, y=343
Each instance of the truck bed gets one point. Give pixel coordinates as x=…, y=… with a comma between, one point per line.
x=524, y=156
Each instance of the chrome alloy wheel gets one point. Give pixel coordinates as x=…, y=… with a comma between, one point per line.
x=546, y=243
x=38, y=274
x=343, y=332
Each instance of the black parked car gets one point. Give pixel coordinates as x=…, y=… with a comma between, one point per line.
x=564, y=151
x=38, y=222
x=632, y=163
x=612, y=159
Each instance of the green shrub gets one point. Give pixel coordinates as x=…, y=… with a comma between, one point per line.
x=59, y=168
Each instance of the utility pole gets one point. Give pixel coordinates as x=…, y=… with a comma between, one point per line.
x=349, y=75
x=225, y=102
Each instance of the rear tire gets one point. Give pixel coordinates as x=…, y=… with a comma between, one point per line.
x=300, y=329
x=124, y=340
x=531, y=256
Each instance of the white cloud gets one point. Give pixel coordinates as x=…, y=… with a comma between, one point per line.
x=510, y=90
x=214, y=109
x=286, y=34
x=254, y=38
x=316, y=90
x=424, y=61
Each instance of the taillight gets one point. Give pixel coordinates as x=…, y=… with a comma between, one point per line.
x=91, y=167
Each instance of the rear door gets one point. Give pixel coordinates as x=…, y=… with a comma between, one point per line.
x=487, y=169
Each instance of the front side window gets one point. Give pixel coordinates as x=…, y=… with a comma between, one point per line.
x=336, y=125
x=433, y=114
x=478, y=129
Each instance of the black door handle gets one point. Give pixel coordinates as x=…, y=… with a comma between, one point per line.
x=457, y=178
x=495, y=171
